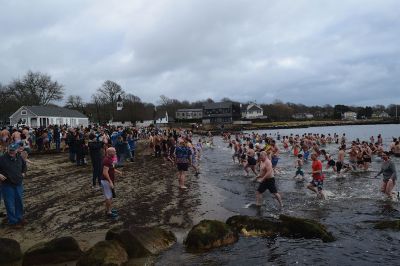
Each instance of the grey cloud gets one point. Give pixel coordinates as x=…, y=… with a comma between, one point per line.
x=308, y=52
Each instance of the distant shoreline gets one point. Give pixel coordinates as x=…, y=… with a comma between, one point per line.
x=291, y=124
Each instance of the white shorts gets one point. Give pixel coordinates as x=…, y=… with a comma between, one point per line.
x=106, y=189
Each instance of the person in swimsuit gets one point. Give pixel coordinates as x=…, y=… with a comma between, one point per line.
x=299, y=166
x=267, y=180
x=388, y=170
x=251, y=160
x=316, y=185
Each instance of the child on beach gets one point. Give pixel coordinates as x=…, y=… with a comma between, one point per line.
x=299, y=166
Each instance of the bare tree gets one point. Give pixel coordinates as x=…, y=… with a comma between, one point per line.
x=107, y=96
x=75, y=102
x=36, y=88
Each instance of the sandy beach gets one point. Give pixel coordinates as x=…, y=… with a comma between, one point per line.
x=59, y=200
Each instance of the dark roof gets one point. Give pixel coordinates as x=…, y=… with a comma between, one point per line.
x=217, y=105
x=189, y=110
x=54, y=111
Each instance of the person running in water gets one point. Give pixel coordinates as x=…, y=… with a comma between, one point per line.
x=340, y=160
x=267, y=180
x=388, y=170
x=316, y=185
x=299, y=166
x=251, y=160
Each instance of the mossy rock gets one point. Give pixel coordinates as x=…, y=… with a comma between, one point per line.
x=253, y=226
x=142, y=241
x=104, y=253
x=209, y=234
x=10, y=251
x=299, y=227
x=58, y=250
x=394, y=225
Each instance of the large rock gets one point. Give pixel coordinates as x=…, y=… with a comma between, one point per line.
x=58, y=250
x=142, y=241
x=252, y=226
x=286, y=226
x=104, y=253
x=10, y=251
x=299, y=227
x=209, y=234
x=394, y=225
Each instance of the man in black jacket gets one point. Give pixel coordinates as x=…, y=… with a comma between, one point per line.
x=12, y=171
x=96, y=156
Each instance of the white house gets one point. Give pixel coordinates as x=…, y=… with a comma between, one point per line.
x=382, y=114
x=252, y=111
x=162, y=120
x=349, y=116
x=43, y=116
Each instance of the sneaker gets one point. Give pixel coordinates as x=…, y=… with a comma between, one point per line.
x=112, y=215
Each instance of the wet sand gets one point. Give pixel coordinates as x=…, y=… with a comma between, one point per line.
x=59, y=200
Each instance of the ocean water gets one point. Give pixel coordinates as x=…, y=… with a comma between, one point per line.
x=353, y=201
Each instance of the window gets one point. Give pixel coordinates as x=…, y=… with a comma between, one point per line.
x=24, y=112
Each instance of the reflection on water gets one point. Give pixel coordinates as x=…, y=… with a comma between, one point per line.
x=352, y=201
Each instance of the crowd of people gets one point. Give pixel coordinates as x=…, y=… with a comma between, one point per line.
x=108, y=148
x=260, y=154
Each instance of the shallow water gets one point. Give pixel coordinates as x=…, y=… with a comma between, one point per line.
x=352, y=201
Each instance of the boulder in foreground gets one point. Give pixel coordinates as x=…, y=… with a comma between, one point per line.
x=300, y=227
x=253, y=226
x=142, y=241
x=209, y=234
x=10, y=251
x=58, y=250
x=104, y=253
x=286, y=226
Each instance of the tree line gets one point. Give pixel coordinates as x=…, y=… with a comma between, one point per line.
x=36, y=88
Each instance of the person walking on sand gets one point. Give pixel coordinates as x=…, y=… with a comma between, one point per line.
x=267, y=180
x=183, y=157
x=12, y=171
x=108, y=181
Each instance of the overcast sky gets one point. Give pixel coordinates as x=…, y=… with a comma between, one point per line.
x=311, y=52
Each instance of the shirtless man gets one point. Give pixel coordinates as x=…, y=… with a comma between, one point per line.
x=16, y=136
x=340, y=160
x=4, y=138
x=275, y=155
x=266, y=179
x=251, y=160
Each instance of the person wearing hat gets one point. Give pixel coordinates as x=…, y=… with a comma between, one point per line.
x=388, y=170
x=12, y=171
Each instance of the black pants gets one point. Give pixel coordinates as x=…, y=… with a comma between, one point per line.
x=97, y=170
x=158, y=150
x=80, y=158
